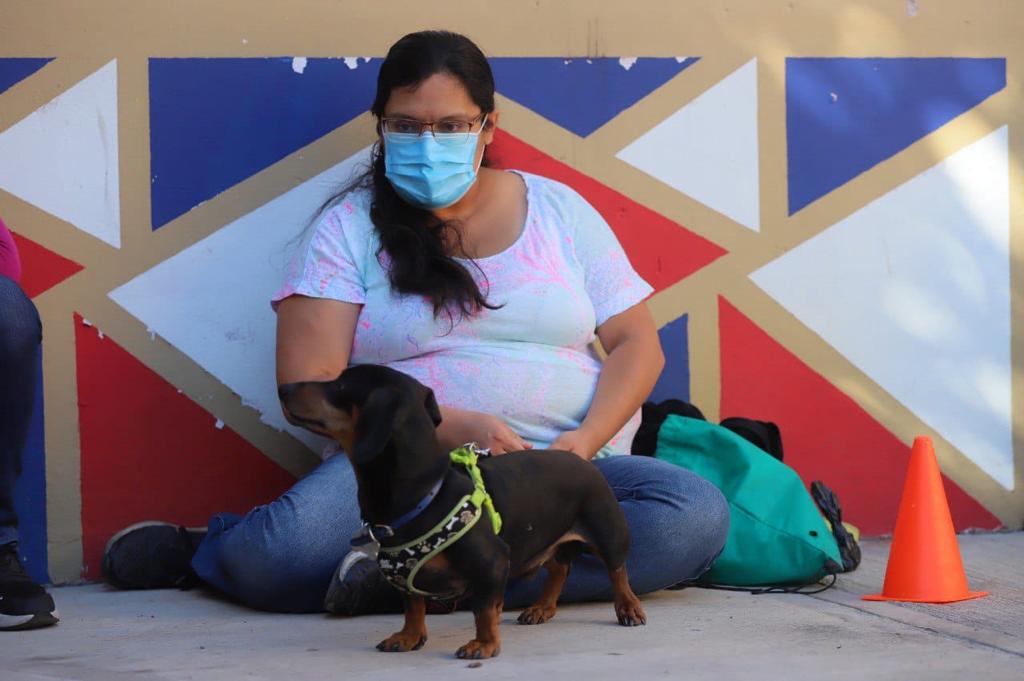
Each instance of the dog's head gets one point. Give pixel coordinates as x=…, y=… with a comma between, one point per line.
x=364, y=409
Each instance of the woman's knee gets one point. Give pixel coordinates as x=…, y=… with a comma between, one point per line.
x=701, y=511
x=280, y=556
x=677, y=517
x=282, y=577
x=673, y=487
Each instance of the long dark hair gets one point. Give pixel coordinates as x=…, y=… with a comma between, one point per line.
x=418, y=244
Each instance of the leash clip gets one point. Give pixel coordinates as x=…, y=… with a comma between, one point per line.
x=476, y=449
x=364, y=543
x=385, y=532
x=367, y=535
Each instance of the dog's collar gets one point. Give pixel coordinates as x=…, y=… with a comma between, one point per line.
x=378, y=532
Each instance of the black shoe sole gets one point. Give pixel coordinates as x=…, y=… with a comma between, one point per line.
x=37, y=621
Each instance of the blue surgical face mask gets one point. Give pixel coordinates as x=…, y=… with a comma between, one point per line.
x=430, y=173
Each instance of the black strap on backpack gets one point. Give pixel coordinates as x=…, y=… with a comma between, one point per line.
x=652, y=416
x=763, y=434
x=826, y=583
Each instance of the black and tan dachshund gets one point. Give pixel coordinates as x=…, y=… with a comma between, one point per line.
x=554, y=505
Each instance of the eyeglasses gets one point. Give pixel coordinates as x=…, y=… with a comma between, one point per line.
x=439, y=129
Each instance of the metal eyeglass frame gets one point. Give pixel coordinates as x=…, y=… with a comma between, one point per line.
x=424, y=125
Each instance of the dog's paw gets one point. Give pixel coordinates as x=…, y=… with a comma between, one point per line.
x=402, y=643
x=630, y=613
x=478, y=650
x=537, y=614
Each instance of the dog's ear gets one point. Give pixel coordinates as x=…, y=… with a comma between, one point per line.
x=432, y=408
x=377, y=420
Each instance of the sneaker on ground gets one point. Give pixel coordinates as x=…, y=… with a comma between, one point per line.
x=152, y=555
x=23, y=603
x=360, y=588
x=828, y=504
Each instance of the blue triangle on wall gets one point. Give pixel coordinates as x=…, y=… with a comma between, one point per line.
x=845, y=115
x=674, y=381
x=13, y=70
x=582, y=94
x=215, y=122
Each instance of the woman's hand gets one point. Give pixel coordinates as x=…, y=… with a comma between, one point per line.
x=459, y=426
x=578, y=442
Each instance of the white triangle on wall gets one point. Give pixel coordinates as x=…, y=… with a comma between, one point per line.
x=63, y=157
x=212, y=300
x=708, y=149
x=914, y=289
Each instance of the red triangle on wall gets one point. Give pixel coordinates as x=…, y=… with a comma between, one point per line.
x=41, y=268
x=148, y=452
x=661, y=251
x=827, y=436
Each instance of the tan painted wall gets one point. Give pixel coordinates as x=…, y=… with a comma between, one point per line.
x=725, y=33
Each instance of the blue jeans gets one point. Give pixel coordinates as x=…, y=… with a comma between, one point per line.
x=282, y=556
x=21, y=335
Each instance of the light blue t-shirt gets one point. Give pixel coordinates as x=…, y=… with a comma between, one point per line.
x=532, y=361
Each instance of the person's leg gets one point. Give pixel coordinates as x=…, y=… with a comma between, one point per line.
x=23, y=603
x=20, y=338
x=281, y=556
x=677, y=524
x=277, y=557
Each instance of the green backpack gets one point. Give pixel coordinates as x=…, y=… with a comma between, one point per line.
x=776, y=536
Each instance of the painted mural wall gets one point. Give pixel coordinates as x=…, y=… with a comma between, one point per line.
x=826, y=197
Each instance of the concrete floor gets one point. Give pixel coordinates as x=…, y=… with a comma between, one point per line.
x=109, y=635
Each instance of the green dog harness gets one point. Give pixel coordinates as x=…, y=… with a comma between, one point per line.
x=400, y=564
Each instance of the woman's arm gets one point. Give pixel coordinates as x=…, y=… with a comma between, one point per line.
x=629, y=373
x=314, y=338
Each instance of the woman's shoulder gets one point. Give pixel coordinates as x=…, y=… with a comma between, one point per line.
x=347, y=216
x=547, y=188
x=550, y=198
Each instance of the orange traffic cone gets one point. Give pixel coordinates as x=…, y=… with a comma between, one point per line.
x=924, y=561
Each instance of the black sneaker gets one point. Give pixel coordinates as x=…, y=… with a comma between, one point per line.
x=360, y=588
x=23, y=603
x=152, y=555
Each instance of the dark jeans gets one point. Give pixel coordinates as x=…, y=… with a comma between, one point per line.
x=21, y=335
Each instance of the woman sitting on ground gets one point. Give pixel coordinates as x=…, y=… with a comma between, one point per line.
x=488, y=286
